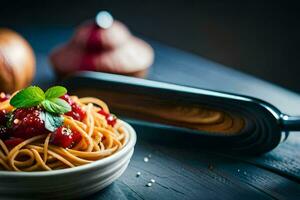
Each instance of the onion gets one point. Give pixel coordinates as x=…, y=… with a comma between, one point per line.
x=17, y=61
x=111, y=49
x=131, y=58
x=90, y=36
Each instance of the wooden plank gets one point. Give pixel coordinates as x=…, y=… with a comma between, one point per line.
x=175, y=66
x=182, y=68
x=189, y=173
x=284, y=160
x=184, y=172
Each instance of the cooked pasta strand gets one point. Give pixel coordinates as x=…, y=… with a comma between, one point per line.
x=98, y=140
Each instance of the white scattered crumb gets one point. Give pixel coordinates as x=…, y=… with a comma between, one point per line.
x=149, y=184
x=146, y=159
x=152, y=180
x=138, y=174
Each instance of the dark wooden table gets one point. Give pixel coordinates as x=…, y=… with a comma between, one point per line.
x=189, y=172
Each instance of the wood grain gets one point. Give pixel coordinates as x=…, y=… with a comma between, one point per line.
x=189, y=172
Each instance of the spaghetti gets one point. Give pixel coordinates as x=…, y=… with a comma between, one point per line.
x=98, y=140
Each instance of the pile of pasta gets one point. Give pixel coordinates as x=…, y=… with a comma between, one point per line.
x=99, y=140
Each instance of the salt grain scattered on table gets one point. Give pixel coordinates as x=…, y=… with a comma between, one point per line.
x=146, y=159
x=245, y=172
x=149, y=184
x=152, y=180
x=238, y=170
x=138, y=174
x=149, y=156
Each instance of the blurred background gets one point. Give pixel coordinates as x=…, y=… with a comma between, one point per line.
x=257, y=37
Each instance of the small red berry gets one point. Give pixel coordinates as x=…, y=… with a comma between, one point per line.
x=76, y=136
x=111, y=119
x=12, y=142
x=102, y=112
x=27, y=123
x=3, y=97
x=76, y=113
x=65, y=137
x=67, y=98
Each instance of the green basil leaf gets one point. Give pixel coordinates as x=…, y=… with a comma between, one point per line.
x=52, y=121
x=28, y=97
x=55, y=92
x=56, y=105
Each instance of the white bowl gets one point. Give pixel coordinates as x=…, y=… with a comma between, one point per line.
x=68, y=183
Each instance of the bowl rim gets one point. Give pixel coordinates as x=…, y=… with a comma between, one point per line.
x=105, y=161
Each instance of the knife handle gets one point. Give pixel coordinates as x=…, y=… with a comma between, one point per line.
x=290, y=123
